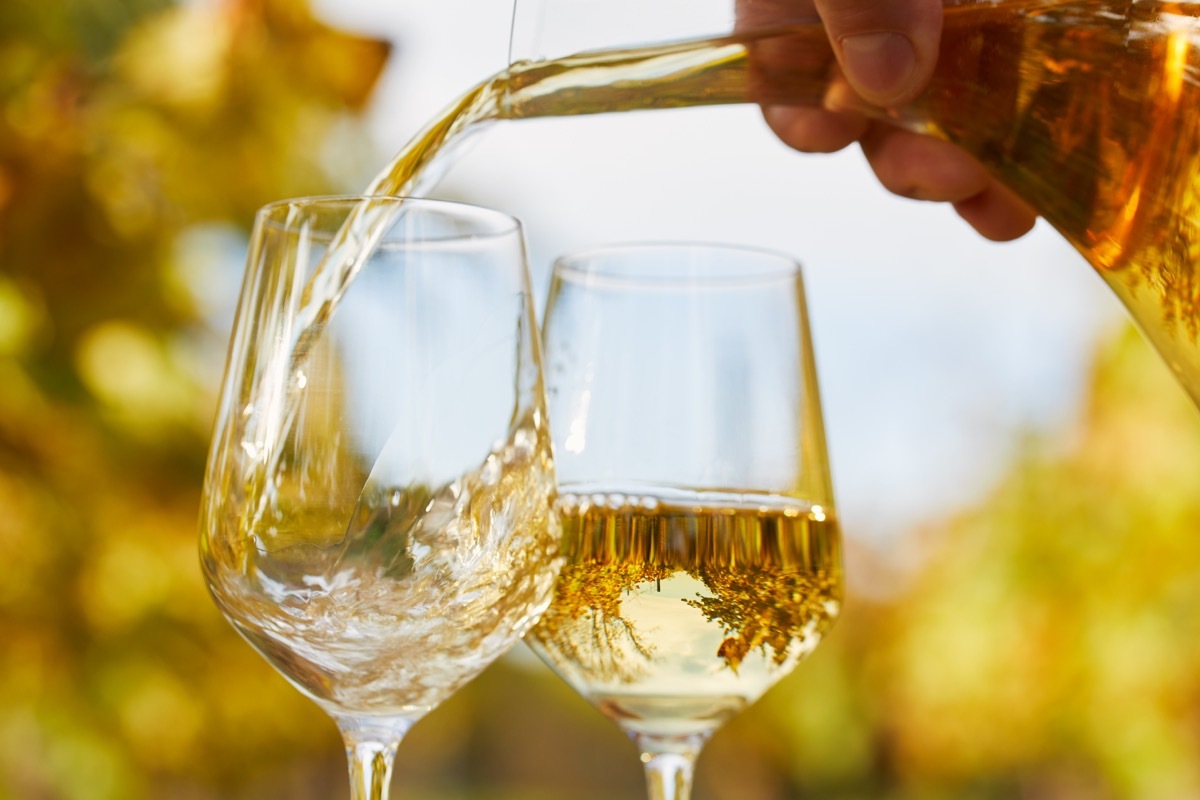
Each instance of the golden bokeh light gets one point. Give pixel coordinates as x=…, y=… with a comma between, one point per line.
x=1043, y=646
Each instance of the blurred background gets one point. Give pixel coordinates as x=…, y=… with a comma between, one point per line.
x=1018, y=476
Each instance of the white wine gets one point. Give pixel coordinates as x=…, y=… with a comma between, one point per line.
x=676, y=609
x=1088, y=109
x=428, y=586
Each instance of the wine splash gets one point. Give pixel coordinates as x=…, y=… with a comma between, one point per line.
x=427, y=587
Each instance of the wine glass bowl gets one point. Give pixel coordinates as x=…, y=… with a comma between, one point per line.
x=702, y=549
x=376, y=517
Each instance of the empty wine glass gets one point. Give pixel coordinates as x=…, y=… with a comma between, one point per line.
x=376, y=515
x=702, y=549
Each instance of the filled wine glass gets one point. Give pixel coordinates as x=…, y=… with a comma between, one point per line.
x=703, y=555
x=377, y=515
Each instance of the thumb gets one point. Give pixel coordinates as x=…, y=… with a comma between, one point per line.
x=887, y=48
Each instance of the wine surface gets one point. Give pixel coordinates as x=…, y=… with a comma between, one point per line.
x=427, y=587
x=677, y=609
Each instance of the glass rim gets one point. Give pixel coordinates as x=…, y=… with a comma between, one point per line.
x=589, y=266
x=502, y=223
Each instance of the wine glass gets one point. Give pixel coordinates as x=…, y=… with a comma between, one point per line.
x=703, y=556
x=376, y=518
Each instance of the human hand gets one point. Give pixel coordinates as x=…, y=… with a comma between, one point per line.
x=887, y=50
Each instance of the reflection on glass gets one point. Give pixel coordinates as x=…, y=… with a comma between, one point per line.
x=702, y=549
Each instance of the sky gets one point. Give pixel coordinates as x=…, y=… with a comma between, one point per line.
x=935, y=348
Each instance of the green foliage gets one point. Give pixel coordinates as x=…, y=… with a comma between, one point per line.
x=1045, y=645
x=1050, y=635
x=123, y=126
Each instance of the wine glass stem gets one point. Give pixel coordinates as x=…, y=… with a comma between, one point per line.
x=371, y=750
x=669, y=762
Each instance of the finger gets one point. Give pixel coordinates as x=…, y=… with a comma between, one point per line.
x=888, y=48
x=925, y=168
x=922, y=167
x=752, y=14
x=997, y=214
x=813, y=130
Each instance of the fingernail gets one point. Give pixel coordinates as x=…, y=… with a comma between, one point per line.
x=880, y=65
